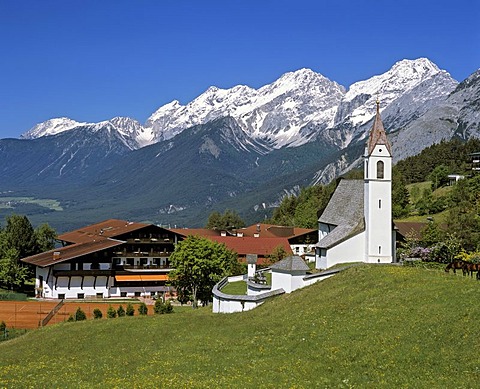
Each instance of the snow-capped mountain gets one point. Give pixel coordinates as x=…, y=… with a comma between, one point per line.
x=248, y=149
x=456, y=115
x=275, y=112
x=298, y=107
x=52, y=127
x=408, y=89
x=128, y=130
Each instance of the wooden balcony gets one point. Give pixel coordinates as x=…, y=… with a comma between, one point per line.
x=150, y=240
x=143, y=254
x=82, y=273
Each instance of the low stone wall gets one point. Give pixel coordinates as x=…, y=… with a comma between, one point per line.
x=229, y=303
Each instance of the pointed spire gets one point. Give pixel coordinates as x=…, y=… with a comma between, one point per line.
x=378, y=136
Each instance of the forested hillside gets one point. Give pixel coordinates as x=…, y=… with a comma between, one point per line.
x=458, y=204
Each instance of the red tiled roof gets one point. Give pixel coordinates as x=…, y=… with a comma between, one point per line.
x=86, y=240
x=66, y=253
x=273, y=231
x=249, y=245
x=195, y=231
x=106, y=229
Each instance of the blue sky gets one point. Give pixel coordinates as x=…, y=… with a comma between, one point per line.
x=93, y=60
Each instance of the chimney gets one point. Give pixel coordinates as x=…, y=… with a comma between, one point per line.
x=56, y=255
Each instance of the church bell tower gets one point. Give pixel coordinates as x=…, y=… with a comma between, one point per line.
x=378, y=195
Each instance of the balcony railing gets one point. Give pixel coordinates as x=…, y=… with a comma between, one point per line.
x=141, y=267
x=80, y=273
x=150, y=240
x=143, y=254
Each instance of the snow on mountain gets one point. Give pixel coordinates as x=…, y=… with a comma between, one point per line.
x=275, y=112
x=128, y=130
x=405, y=91
x=296, y=108
x=403, y=77
x=173, y=118
x=456, y=115
x=51, y=127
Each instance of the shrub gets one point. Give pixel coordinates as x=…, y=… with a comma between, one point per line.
x=80, y=315
x=160, y=307
x=3, y=326
x=120, y=311
x=143, y=309
x=97, y=313
x=111, y=312
x=130, y=311
x=168, y=307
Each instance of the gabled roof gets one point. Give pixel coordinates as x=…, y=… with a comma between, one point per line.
x=378, y=136
x=291, y=263
x=87, y=240
x=67, y=253
x=345, y=212
x=106, y=229
x=273, y=231
x=196, y=231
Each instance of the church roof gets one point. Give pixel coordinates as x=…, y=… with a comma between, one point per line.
x=345, y=211
x=378, y=136
x=291, y=263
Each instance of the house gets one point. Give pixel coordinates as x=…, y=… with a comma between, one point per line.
x=262, y=247
x=475, y=162
x=113, y=258
x=356, y=225
x=302, y=240
x=260, y=239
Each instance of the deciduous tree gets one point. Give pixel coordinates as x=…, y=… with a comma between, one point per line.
x=198, y=265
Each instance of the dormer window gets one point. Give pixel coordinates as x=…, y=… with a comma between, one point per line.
x=380, y=169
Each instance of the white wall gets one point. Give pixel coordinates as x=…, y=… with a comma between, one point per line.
x=378, y=208
x=231, y=306
x=286, y=281
x=75, y=287
x=351, y=250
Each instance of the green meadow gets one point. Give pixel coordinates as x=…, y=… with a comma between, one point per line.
x=13, y=202
x=380, y=326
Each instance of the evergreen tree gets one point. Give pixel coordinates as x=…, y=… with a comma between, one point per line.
x=111, y=312
x=120, y=311
x=130, y=311
x=400, y=195
x=229, y=220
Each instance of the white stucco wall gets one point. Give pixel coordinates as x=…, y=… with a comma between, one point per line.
x=317, y=279
x=75, y=287
x=351, y=250
x=286, y=281
x=378, y=208
x=231, y=306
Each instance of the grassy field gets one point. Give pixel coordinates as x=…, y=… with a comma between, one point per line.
x=367, y=327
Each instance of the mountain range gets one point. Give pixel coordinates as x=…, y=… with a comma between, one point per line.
x=238, y=148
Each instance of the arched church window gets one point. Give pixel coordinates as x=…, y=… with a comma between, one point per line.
x=380, y=168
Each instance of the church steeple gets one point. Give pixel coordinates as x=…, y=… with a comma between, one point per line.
x=379, y=242
x=378, y=136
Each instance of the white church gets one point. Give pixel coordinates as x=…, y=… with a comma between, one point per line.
x=356, y=225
